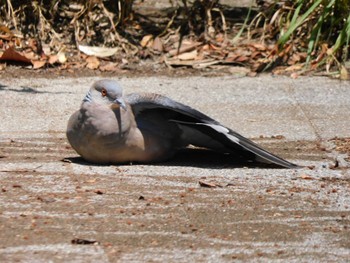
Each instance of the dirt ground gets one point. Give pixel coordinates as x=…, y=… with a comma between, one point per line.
x=199, y=207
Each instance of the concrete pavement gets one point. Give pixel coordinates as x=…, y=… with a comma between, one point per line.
x=51, y=200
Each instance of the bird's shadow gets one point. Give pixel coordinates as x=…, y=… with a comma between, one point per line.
x=200, y=158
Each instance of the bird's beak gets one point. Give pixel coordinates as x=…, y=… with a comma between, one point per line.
x=121, y=103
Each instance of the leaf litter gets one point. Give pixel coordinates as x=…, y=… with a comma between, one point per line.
x=102, y=35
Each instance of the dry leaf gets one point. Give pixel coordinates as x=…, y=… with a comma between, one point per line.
x=344, y=75
x=157, y=45
x=53, y=59
x=294, y=67
x=62, y=57
x=240, y=71
x=209, y=184
x=184, y=48
x=100, y=52
x=231, y=57
x=242, y=59
x=92, y=62
x=188, y=55
x=258, y=46
x=111, y=66
x=38, y=63
x=294, y=75
x=11, y=54
x=146, y=40
x=5, y=29
x=29, y=54
x=8, y=34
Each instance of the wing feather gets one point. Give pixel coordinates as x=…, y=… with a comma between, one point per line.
x=197, y=127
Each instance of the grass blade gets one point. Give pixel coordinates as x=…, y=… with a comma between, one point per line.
x=297, y=22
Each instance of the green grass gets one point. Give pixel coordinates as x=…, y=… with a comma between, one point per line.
x=321, y=28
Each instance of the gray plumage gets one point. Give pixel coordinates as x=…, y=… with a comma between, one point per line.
x=112, y=128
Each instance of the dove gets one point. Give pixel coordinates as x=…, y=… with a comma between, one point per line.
x=114, y=128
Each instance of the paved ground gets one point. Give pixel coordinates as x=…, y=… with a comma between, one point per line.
x=56, y=208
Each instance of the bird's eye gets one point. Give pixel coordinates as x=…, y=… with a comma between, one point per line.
x=104, y=92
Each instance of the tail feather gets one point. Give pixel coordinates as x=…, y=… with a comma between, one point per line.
x=237, y=144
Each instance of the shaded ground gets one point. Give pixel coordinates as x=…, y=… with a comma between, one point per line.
x=54, y=206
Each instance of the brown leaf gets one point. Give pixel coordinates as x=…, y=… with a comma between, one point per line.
x=188, y=55
x=6, y=37
x=38, y=63
x=209, y=184
x=53, y=59
x=5, y=29
x=157, y=45
x=184, y=48
x=239, y=71
x=92, y=62
x=295, y=67
x=258, y=46
x=242, y=59
x=294, y=75
x=11, y=54
x=255, y=54
x=111, y=66
x=29, y=54
x=146, y=40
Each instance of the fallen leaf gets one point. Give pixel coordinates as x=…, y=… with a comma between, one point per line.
x=61, y=57
x=100, y=52
x=146, y=40
x=258, y=46
x=191, y=63
x=52, y=59
x=344, y=75
x=294, y=67
x=294, y=75
x=111, y=66
x=92, y=62
x=242, y=59
x=205, y=63
x=209, y=184
x=38, y=63
x=157, y=45
x=184, y=48
x=5, y=29
x=188, y=55
x=239, y=71
x=11, y=54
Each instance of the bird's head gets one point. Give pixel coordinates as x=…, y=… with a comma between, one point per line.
x=108, y=92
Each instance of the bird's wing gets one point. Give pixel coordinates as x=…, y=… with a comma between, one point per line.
x=198, y=129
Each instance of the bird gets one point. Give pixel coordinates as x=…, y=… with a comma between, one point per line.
x=112, y=128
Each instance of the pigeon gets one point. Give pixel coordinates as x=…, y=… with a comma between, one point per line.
x=114, y=128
